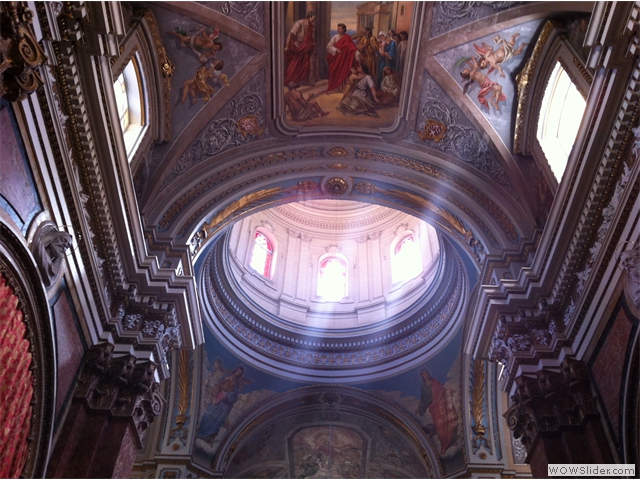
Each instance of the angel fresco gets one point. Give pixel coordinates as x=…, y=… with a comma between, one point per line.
x=487, y=60
x=495, y=57
x=203, y=42
x=473, y=74
x=206, y=78
x=223, y=396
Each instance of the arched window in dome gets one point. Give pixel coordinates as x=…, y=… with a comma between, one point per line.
x=332, y=279
x=262, y=254
x=406, y=261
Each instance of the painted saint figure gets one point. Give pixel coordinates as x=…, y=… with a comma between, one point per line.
x=362, y=100
x=368, y=49
x=387, y=51
x=402, y=51
x=298, y=50
x=301, y=108
x=223, y=396
x=389, y=93
x=437, y=399
x=487, y=87
x=341, y=53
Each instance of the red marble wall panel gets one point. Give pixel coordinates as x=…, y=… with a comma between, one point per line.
x=70, y=347
x=608, y=368
x=127, y=456
x=16, y=185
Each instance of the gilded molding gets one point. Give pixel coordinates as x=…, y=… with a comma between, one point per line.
x=460, y=185
x=524, y=78
x=180, y=431
x=478, y=405
x=583, y=71
x=227, y=174
x=166, y=67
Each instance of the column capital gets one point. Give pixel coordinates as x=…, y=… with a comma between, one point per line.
x=550, y=399
x=122, y=385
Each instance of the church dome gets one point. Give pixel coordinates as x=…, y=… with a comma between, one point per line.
x=332, y=289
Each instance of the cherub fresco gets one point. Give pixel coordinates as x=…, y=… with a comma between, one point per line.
x=495, y=57
x=223, y=395
x=203, y=42
x=473, y=73
x=488, y=59
x=206, y=78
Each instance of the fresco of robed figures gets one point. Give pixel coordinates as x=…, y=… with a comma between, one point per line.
x=344, y=63
x=486, y=70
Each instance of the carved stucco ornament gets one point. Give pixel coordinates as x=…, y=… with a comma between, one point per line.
x=49, y=246
x=336, y=186
x=337, y=152
x=20, y=53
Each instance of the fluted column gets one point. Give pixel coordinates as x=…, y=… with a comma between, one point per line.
x=553, y=412
x=114, y=403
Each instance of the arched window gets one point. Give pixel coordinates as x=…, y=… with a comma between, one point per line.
x=129, y=90
x=560, y=115
x=262, y=255
x=407, y=261
x=332, y=279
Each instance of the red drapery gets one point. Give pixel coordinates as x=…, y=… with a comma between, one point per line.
x=16, y=385
x=340, y=64
x=298, y=59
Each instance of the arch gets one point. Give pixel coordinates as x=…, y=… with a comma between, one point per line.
x=284, y=416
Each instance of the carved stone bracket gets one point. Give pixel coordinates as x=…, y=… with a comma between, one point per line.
x=549, y=400
x=122, y=385
x=528, y=335
x=147, y=323
x=20, y=53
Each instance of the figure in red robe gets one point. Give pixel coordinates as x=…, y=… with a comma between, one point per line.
x=439, y=401
x=298, y=50
x=340, y=57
